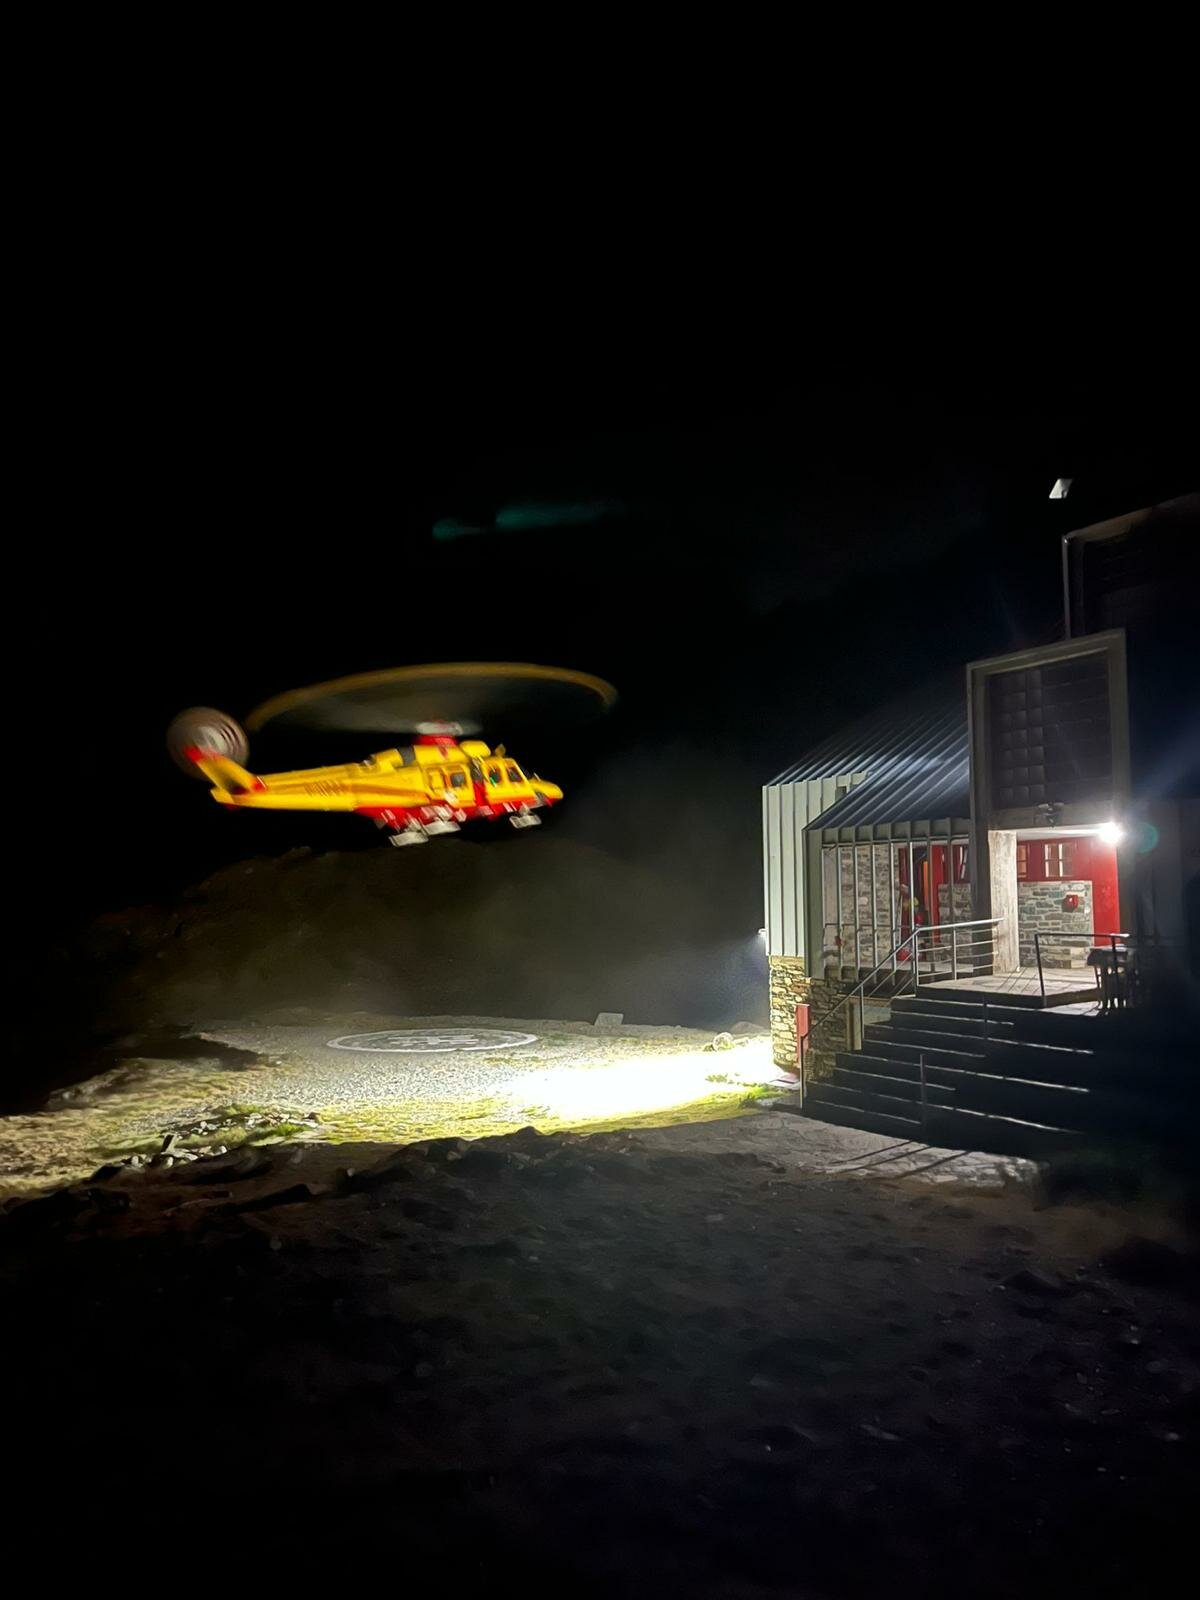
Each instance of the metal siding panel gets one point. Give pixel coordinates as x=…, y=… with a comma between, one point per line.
x=889, y=734
x=926, y=772
x=813, y=907
x=780, y=874
x=787, y=813
x=780, y=879
x=797, y=884
x=769, y=802
x=774, y=874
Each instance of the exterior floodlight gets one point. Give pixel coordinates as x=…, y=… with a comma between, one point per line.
x=1061, y=489
x=1110, y=832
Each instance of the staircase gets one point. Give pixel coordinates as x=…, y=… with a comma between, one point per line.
x=948, y=1067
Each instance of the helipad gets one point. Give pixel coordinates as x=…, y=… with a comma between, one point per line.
x=431, y=1041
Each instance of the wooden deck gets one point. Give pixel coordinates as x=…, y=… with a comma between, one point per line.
x=1062, y=988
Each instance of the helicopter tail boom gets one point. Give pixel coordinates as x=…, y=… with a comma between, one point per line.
x=224, y=774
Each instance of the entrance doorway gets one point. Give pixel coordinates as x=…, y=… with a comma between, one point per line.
x=1066, y=896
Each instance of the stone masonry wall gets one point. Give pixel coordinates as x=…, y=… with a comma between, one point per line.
x=1040, y=907
x=875, y=906
x=962, y=903
x=790, y=987
x=826, y=1040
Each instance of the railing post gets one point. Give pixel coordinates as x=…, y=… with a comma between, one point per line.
x=1037, y=950
x=853, y=1025
x=803, y=1029
x=916, y=959
x=954, y=954
x=924, y=1101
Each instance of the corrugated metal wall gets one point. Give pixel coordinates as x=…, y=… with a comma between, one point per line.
x=788, y=808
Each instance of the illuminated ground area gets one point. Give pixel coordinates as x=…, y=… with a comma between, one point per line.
x=287, y=1079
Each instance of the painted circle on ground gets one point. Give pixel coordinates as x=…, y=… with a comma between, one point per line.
x=431, y=1041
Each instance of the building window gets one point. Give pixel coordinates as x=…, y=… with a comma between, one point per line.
x=1046, y=860
x=1058, y=858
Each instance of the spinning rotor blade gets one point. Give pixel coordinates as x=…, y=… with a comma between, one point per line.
x=462, y=698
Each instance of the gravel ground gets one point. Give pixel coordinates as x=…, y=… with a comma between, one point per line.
x=301, y=1069
x=571, y=1073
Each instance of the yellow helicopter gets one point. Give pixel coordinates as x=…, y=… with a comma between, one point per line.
x=413, y=791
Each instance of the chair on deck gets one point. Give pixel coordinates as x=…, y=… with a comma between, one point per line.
x=1115, y=967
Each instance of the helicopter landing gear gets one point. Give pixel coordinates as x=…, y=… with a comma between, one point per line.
x=414, y=833
x=525, y=819
x=441, y=825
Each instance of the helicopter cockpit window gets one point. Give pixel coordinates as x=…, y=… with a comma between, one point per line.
x=458, y=779
x=514, y=773
x=493, y=775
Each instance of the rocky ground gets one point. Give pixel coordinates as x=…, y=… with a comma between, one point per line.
x=745, y=1358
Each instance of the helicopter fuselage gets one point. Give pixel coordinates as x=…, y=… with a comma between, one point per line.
x=428, y=787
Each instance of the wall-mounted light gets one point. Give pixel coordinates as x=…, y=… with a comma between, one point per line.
x=1110, y=832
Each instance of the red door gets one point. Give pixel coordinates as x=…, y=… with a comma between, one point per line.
x=1101, y=865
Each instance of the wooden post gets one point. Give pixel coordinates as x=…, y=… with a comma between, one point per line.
x=854, y=1034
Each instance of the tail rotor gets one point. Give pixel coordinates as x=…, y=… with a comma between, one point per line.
x=201, y=728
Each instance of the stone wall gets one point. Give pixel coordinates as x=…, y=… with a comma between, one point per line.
x=875, y=907
x=1040, y=908
x=825, y=1040
x=963, y=911
x=790, y=987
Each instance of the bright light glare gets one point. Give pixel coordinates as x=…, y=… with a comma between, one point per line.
x=1110, y=832
x=1061, y=489
x=650, y=1083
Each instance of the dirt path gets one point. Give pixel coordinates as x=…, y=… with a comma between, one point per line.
x=677, y=1363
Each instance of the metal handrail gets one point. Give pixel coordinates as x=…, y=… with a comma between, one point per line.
x=891, y=959
x=871, y=932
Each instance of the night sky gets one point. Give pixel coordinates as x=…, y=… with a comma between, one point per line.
x=750, y=562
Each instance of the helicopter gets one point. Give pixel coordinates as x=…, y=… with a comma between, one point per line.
x=442, y=777
x=415, y=792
